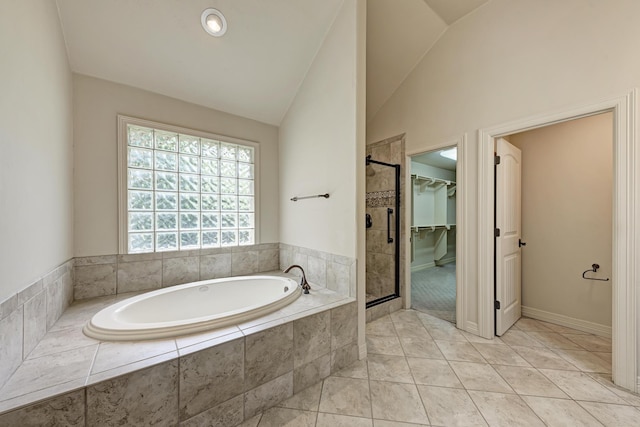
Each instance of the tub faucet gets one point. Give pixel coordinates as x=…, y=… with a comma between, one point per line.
x=303, y=282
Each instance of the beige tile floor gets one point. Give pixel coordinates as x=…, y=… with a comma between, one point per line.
x=423, y=371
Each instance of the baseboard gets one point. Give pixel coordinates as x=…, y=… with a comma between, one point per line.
x=471, y=327
x=422, y=267
x=362, y=352
x=569, y=322
x=446, y=260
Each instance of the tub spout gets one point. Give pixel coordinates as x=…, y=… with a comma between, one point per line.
x=303, y=282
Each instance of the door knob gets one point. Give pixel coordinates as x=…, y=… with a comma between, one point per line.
x=521, y=243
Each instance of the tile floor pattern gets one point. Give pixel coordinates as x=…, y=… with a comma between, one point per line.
x=433, y=291
x=423, y=371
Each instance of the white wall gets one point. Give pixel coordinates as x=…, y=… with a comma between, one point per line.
x=567, y=199
x=318, y=147
x=36, y=144
x=508, y=60
x=423, y=205
x=97, y=103
x=423, y=197
x=432, y=171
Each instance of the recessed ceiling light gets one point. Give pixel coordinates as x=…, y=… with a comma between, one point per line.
x=213, y=22
x=451, y=153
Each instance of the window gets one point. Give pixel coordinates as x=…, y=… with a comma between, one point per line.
x=182, y=189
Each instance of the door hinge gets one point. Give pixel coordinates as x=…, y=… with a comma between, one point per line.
x=496, y=305
x=497, y=232
x=496, y=160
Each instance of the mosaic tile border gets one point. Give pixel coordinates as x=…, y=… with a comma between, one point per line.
x=376, y=199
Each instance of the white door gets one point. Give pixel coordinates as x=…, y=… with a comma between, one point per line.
x=508, y=251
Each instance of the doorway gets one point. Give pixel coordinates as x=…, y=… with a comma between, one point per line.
x=565, y=193
x=384, y=219
x=626, y=159
x=433, y=233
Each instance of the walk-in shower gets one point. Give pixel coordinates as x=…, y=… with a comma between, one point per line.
x=383, y=231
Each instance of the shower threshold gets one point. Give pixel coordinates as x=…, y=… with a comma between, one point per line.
x=374, y=302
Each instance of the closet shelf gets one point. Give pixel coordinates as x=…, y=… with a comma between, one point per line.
x=451, y=191
x=433, y=227
x=430, y=181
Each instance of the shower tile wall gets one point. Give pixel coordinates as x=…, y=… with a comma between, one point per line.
x=381, y=194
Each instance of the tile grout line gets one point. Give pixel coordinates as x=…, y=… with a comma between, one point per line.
x=415, y=384
x=411, y=371
x=369, y=388
x=523, y=400
x=178, y=392
x=465, y=389
x=537, y=370
x=93, y=361
x=588, y=412
x=469, y=396
x=590, y=375
x=546, y=348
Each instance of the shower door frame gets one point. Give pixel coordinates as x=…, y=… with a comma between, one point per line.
x=396, y=293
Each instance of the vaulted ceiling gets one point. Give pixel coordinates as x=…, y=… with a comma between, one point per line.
x=159, y=45
x=399, y=34
x=256, y=69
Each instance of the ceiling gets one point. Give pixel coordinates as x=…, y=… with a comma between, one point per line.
x=433, y=158
x=399, y=34
x=256, y=69
x=253, y=71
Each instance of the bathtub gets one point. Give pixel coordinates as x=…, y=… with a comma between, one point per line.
x=193, y=307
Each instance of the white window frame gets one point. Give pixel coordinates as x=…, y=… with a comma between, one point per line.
x=123, y=122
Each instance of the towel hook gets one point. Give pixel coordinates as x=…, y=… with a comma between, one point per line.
x=594, y=268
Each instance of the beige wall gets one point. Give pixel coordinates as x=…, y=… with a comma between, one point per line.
x=510, y=60
x=567, y=191
x=97, y=103
x=36, y=144
x=318, y=147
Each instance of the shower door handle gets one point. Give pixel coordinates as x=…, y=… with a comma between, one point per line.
x=389, y=213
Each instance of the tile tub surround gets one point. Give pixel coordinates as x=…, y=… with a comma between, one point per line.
x=26, y=317
x=225, y=375
x=97, y=276
x=334, y=272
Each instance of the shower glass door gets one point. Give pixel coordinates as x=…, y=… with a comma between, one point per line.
x=383, y=231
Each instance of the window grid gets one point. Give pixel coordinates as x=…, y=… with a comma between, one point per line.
x=187, y=192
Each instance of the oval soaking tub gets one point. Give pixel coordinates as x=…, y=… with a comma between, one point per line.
x=193, y=307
